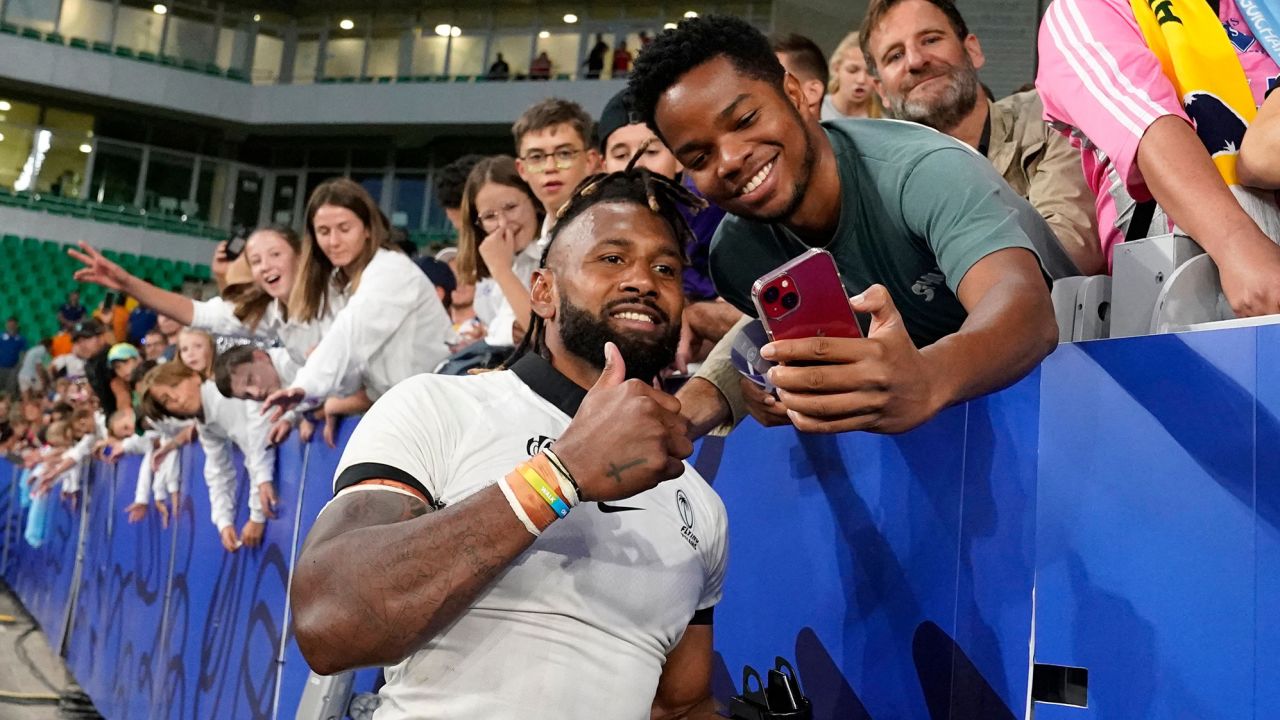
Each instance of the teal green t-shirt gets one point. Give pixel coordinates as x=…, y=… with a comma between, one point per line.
x=917, y=210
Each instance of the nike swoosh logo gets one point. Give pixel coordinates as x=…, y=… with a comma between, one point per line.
x=615, y=508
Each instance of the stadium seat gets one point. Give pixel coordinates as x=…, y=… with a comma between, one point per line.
x=78, y=43
x=54, y=38
x=102, y=47
x=8, y=28
x=147, y=56
x=125, y=52
x=30, y=33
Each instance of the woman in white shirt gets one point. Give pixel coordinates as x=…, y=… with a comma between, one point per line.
x=392, y=325
x=498, y=247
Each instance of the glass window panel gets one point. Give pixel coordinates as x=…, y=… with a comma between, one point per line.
x=62, y=172
x=139, y=29
x=88, y=19
x=233, y=46
x=15, y=148
x=467, y=55
x=410, y=194
x=562, y=48
x=192, y=35
x=304, y=60
x=286, y=197
x=428, y=53
x=168, y=182
x=268, y=52
x=371, y=182
x=343, y=57
x=39, y=14
x=211, y=188
x=384, y=56
x=115, y=173
x=248, y=200
x=514, y=50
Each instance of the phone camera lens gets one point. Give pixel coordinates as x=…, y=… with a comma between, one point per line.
x=790, y=301
x=771, y=295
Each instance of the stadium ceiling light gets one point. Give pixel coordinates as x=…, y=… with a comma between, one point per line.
x=570, y=18
x=86, y=148
x=669, y=26
x=1, y=137
x=544, y=34
x=347, y=24
x=443, y=29
x=455, y=31
x=5, y=106
x=160, y=9
x=257, y=17
x=690, y=14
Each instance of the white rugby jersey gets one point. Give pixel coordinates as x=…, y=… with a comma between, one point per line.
x=580, y=624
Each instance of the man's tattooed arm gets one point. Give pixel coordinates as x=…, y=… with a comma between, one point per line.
x=380, y=574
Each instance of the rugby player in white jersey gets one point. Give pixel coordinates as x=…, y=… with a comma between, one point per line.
x=528, y=543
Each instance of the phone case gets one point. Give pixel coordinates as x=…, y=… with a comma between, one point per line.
x=821, y=307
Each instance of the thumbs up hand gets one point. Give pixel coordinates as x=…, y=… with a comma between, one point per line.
x=880, y=383
x=626, y=438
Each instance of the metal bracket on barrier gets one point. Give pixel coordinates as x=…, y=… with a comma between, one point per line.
x=1140, y=270
x=326, y=696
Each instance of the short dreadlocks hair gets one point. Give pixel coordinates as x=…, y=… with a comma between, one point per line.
x=693, y=42
x=661, y=195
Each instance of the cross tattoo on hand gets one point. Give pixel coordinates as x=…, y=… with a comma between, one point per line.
x=615, y=471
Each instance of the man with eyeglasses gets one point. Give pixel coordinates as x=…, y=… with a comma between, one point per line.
x=554, y=152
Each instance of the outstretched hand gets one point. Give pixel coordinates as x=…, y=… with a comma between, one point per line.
x=880, y=383
x=98, y=269
x=280, y=401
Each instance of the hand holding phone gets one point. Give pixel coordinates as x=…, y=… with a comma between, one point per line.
x=805, y=298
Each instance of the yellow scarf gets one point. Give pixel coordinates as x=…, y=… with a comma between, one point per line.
x=1198, y=57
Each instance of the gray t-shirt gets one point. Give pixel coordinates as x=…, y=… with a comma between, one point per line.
x=918, y=209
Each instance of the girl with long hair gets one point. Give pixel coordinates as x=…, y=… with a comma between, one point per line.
x=497, y=246
x=393, y=324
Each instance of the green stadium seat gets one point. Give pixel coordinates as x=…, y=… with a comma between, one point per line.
x=30, y=33
x=237, y=74
x=193, y=65
x=55, y=38
x=125, y=52
x=78, y=43
x=213, y=69
x=462, y=78
x=169, y=60
x=8, y=28
x=404, y=78
x=102, y=47
x=145, y=56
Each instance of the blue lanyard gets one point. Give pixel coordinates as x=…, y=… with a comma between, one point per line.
x=1263, y=17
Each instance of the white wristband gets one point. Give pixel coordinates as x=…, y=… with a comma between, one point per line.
x=517, y=508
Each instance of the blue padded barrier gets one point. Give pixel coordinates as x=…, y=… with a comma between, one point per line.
x=1123, y=496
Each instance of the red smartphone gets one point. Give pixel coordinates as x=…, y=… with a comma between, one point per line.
x=805, y=298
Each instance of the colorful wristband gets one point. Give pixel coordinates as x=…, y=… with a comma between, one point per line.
x=549, y=472
x=544, y=490
x=562, y=472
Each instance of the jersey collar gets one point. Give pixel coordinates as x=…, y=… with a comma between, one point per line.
x=536, y=372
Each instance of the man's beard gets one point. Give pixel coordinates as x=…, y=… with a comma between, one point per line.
x=945, y=111
x=584, y=334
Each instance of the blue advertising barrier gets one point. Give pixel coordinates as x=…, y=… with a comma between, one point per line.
x=1114, y=511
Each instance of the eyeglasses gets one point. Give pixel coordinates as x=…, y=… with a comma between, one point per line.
x=488, y=220
x=536, y=160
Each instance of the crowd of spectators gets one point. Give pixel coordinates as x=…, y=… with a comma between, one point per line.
x=948, y=231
